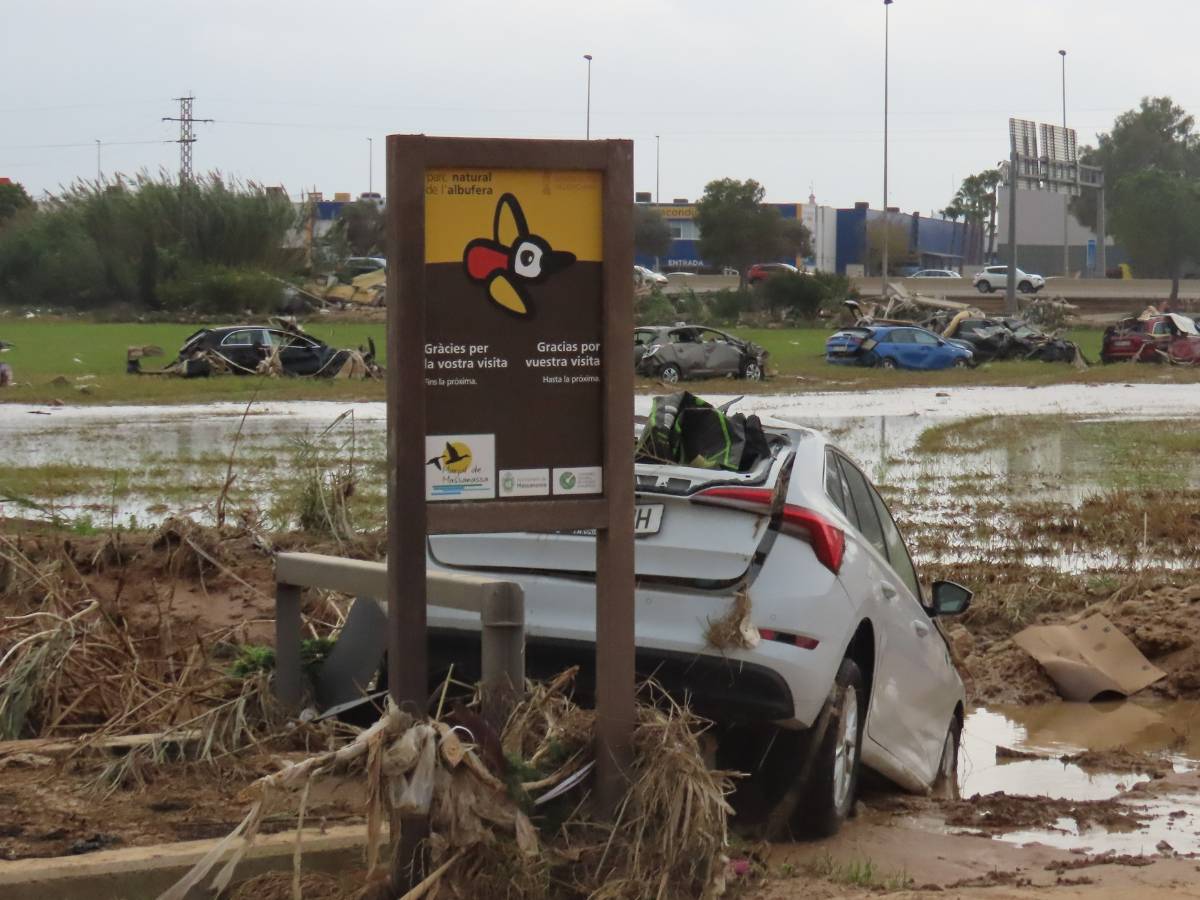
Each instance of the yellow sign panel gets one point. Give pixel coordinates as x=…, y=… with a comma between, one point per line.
x=678, y=212
x=504, y=207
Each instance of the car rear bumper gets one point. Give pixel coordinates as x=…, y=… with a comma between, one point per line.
x=724, y=690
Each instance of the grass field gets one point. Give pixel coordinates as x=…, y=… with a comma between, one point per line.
x=46, y=349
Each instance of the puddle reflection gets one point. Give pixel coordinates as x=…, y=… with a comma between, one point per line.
x=1171, y=729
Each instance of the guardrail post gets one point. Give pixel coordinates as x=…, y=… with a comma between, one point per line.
x=502, y=648
x=287, y=646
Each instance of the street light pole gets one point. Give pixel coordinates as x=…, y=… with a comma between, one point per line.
x=99, y=176
x=370, y=165
x=883, y=272
x=1066, y=198
x=588, y=133
x=657, y=166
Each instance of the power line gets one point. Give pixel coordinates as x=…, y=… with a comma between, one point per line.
x=187, y=136
x=91, y=143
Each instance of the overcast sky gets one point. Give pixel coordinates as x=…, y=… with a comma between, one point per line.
x=789, y=92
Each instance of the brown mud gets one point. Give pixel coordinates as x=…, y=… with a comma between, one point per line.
x=1156, y=611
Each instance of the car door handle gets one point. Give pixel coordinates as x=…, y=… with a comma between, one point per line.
x=920, y=628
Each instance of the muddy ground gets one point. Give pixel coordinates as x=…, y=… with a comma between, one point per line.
x=183, y=587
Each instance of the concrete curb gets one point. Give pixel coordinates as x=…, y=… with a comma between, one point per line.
x=142, y=873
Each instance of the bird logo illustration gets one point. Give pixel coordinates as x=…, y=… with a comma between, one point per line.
x=512, y=258
x=455, y=458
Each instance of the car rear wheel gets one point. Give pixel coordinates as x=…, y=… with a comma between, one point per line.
x=834, y=783
x=1025, y=287
x=886, y=362
x=669, y=374
x=984, y=287
x=752, y=371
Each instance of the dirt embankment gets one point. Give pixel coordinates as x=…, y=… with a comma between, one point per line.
x=1157, y=612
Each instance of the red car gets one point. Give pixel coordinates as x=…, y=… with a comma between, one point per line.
x=762, y=271
x=1170, y=336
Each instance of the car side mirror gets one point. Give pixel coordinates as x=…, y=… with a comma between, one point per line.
x=941, y=343
x=950, y=599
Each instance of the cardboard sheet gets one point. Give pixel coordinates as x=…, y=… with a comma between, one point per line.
x=1088, y=658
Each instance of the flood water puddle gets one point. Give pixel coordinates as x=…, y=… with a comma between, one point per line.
x=1167, y=733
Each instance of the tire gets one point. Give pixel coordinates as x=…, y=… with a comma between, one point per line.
x=984, y=287
x=1025, y=287
x=960, y=363
x=670, y=374
x=886, y=362
x=752, y=371
x=833, y=786
x=945, y=783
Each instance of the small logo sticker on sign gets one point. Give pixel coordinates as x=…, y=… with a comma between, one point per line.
x=584, y=480
x=524, y=482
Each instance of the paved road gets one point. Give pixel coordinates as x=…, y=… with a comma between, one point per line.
x=1101, y=298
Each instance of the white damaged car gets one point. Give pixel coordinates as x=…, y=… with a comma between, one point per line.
x=841, y=661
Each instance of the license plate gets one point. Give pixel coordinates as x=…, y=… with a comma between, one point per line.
x=647, y=519
x=1121, y=343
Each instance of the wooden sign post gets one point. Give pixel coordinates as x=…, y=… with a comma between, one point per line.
x=510, y=384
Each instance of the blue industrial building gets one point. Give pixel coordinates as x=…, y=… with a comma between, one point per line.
x=932, y=243
x=839, y=239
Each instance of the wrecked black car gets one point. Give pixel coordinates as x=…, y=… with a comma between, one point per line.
x=675, y=352
x=283, y=348
x=1002, y=338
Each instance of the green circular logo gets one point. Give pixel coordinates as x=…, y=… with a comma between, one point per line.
x=508, y=482
x=566, y=480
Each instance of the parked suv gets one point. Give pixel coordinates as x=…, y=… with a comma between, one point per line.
x=840, y=651
x=995, y=278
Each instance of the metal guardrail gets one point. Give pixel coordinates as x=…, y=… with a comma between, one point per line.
x=500, y=605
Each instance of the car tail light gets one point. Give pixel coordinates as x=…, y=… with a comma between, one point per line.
x=827, y=539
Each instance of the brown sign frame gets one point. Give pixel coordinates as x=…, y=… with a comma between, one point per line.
x=411, y=519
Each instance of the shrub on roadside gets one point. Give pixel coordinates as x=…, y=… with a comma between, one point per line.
x=101, y=244
x=800, y=296
x=653, y=309
x=220, y=289
x=727, y=306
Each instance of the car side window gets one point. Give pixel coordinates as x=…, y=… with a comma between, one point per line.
x=642, y=338
x=868, y=519
x=924, y=337
x=833, y=481
x=242, y=338
x=897, y=551
x=903, y=336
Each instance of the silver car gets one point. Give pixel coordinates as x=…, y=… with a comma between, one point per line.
x=674, y=353
x=835, y=655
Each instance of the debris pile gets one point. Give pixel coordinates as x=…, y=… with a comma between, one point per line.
x=510, y=815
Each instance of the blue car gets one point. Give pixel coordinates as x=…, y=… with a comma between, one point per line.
x=896, y=347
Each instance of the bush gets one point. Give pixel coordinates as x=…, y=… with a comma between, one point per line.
x=692, y=308
x=100, y=245
x=801, y=296
x=653, y=309
x=219, y=289
x=727, y=306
